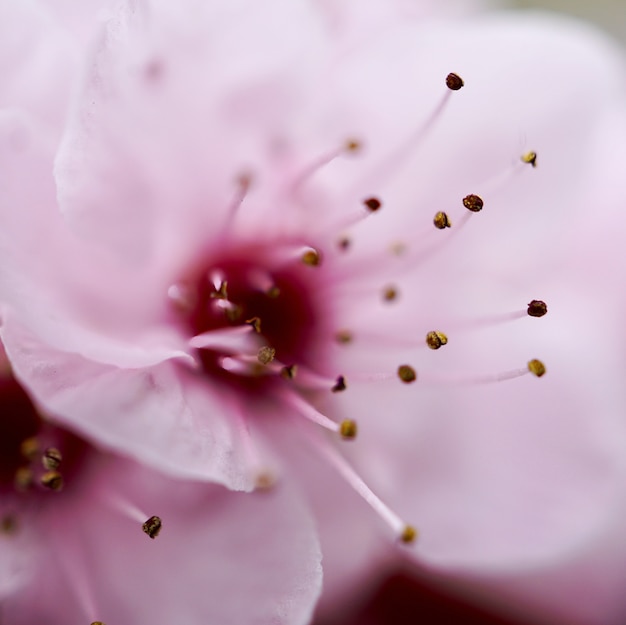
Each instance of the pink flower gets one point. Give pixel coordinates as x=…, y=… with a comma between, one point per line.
x=73, y=552
x=246, y=198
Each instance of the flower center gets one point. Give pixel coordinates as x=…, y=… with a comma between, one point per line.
x=250, y=306
x=36, y=458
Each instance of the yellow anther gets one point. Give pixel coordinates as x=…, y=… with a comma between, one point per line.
x=407, y=374
x=23, y=479
x=51, y=459
x=52, y=480
x=312, y=258
x=530, y=158
x=442, y=221
x=436, y=339
x=30, y=448
x=390, y=293
x=536, y=367
x=266, y=354
x=255, y=322
x=409, y=535
x=152, y=526
x=348, y=429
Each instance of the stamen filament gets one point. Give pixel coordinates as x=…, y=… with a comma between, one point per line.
x=400, y=528
x=309, y=412
x=240, y=338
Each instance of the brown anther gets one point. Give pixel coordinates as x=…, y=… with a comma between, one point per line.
x=255, y=322
x=398, y=248
x=97, y=623
x=344, y=337
x=30, y=448
x=24, y=478
x=8, y=524
x=52, y=480
x=340, y=385
x=312, y=258
x=343, y=244
x=348, y=429
x=273, y=292
x=436, y=339
x=353, y=145
x=537, y=308
x=244, y=181
x=409, y=534
x=152, y=526
x=442, y=221
x=51, y=459
x=289, y=372
x=390, y=293
x=536, y=367
x=265, y=355
x=222, y=292
x=454, y=82
x=233, y=313
x=264, y=480
x=372, y=204
x=407, y=374
x=473, y=203
x=530, y=158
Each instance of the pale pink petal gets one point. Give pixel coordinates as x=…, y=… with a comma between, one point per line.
x=161, y=415
x=221, y=557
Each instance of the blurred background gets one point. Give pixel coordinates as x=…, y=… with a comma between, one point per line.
x=403, y=597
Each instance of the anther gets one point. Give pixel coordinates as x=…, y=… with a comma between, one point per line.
x=390, y=294
x=51, y=459
x=530, y=158
x=312, y=258
x=407, y=374
x=8, y=524
x=255, y=322
x=97, y=623
x=436, y=339
x=273, y=292
x=537, y=308
x=536, y=367
x=348, y=429
x=454, y=82
x=343, y=244
x=473, y=203
x=409, y=534
x=353, y=145
x=288, y=372
x=340, y=385
x=266, y=355
x=442, y=221
x=23, y=479
x=52, y=480
x=344, y=337
x=30, y=448
x=221, y=292
x=152, y=526
x=264, y=480
x=372, y=204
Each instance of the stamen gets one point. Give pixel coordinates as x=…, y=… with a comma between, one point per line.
x=52, y=480
x=255, y=323
x=340, y=385
x=24, y=478
x=343, y=244
x=442, y=221
x=241, y=339
x=30, y=448
x=305, y=409
x=537, y=308
x=312, y=258
x=390, y=294
x=289, y=372
x=351, y=146
x=51, y=459
x=266, y=354
x=348, y=429
x=132, y=512
x=536, y=367
x=530, y=158
x=152, y=526
x=473, y=203
x=405, y=532
x=454, y=82
x=407, y=374
x=344, y=337
x=436, y=339
x=8, y=524
x=372, y=204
